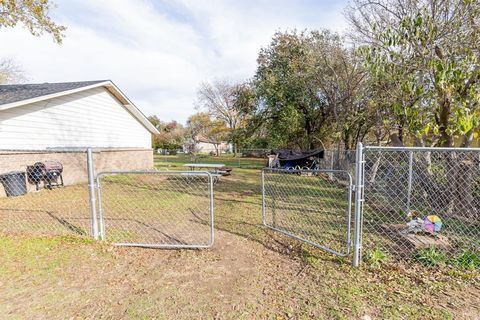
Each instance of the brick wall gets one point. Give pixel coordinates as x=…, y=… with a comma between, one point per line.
x=75, y=163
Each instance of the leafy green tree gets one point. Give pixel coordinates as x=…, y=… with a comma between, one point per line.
x=309, y=89
x=426, y=53
x=340, y=80
x=285, y=83
x=33, y=14
x=171, y=136
x=245, y=102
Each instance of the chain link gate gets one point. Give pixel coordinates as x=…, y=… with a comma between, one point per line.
x=156, y=209
x=313, y=206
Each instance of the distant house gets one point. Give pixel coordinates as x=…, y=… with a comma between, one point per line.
x=208, y=147
x=38, y=118
x=203, y=145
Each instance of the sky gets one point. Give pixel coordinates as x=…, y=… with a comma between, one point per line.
x=158, y=52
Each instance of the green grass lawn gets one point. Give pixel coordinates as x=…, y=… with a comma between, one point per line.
x=250, y=272
x=162, y=208
x=228, y=160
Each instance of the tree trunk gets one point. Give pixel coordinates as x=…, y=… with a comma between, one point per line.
x=467, y=139
x=466, y=183
x=400, y=134
x=446, y=140
x=234, y=149
x=465, y=180
x=308, y=128
x=375, y=167
x=463, y=175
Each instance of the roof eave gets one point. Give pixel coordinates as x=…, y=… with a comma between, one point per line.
x=113, y=89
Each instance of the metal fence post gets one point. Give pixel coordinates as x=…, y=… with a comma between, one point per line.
x=330, y=175
x=359, y=184
x=410, y=176
x=212, y=210
x=101, y=224
x=264, y=217
x=91, y=192
x=274, y=205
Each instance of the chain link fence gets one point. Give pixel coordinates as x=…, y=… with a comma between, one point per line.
x=313, y=206
x=421, y=199
x=410, y=203
x=407, y=199
x=44, y=192
x=169, y=209
x=343, y=160
x=53, y=192
x=338, y=160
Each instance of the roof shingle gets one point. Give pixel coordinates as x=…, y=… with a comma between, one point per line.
x=18, y=92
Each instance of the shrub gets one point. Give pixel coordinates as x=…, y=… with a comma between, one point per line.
x=430, y=257
x=468, y=260
x=375, y=258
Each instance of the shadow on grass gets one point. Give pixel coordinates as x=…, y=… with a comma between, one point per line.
x=36, y=216
x=272, y=240
x=67, y=224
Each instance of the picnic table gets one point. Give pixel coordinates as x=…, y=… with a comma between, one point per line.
x=216, y=169
x=215, y=166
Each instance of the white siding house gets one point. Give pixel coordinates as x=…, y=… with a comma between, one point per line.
x=90, y=116
x=58, y=121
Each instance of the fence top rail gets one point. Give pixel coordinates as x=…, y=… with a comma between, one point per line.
x=70, y=150
x=161, y=172
x=327, y=171
x=299, y=171
x=443, y=149
x=17, y=151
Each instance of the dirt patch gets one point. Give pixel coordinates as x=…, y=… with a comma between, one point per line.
x=48, y=278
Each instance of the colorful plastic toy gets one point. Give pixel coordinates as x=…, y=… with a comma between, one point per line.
x=432, y=223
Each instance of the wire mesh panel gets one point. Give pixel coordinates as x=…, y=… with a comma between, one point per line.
x=44, y=192
x=310, y=205
x=338, y=160
x=170, y=209
x=417, y=199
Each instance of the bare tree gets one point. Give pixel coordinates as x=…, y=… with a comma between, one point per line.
x=218, y=100
x=11, y=72
x=225, y=101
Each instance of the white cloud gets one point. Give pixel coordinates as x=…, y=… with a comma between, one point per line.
x=158, y=52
